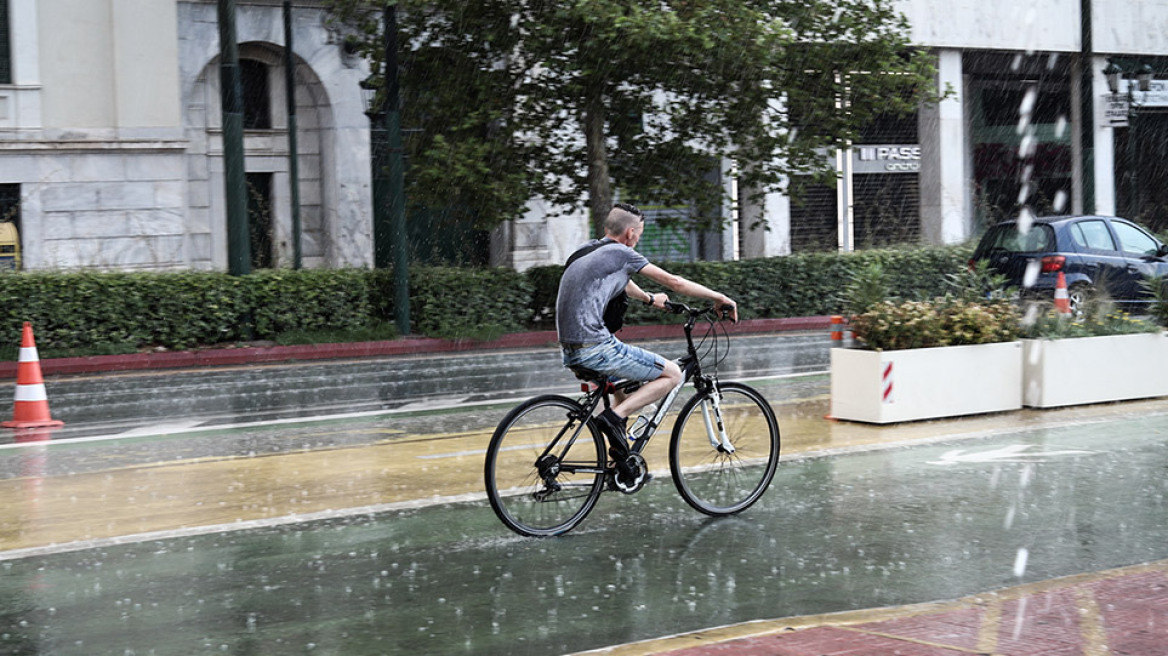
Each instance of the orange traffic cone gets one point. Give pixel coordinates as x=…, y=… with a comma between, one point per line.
x=1062, y=303
x=31, y=409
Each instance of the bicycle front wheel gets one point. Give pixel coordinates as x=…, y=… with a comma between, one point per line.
x=722, y=473
x=544, y=473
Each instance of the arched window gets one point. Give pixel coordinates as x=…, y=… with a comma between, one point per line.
x=257, y=112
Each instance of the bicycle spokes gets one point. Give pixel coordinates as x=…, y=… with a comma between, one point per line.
x=545, y=466
x=723, y=462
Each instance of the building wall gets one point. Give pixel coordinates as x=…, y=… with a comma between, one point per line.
x=995, y=24
x=111, y=129
x=108, y=68
x=333, y=136
x=1131, y=27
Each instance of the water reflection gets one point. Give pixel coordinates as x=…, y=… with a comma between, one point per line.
x=832, y=534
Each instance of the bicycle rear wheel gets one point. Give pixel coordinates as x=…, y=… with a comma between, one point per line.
x=711, y=478
x=543, y=475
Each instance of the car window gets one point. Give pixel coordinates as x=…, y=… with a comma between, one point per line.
x=1007, y=238
x=1093, y=235
x=1134, y=240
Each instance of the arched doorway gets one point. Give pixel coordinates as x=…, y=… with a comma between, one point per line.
x=266, y=149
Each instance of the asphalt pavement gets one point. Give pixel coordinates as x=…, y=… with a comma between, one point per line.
x=298, y=494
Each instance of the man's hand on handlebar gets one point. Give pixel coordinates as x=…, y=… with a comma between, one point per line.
x=727, y=309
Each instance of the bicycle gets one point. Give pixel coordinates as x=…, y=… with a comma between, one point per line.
x=546, y=465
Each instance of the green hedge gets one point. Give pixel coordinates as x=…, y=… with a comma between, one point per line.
x=181, y=310
x=800, y=285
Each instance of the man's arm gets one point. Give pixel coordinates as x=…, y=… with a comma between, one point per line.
x=690, y=288
x=635, y=292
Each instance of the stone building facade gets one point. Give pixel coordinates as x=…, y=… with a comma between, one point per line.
x=111, y=148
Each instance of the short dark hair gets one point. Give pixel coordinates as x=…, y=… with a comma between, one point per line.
x=631, y=209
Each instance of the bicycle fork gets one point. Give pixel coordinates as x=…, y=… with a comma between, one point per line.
x=716, y=426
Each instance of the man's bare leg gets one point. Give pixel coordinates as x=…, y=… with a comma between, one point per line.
x=650, y=391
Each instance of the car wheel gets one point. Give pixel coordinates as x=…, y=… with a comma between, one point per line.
x=1079, y=296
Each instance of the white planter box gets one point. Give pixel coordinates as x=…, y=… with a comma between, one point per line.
x=1058, y=372
x=888, y=386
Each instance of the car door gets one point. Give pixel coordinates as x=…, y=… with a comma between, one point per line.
x=1102, y=261
x=1141, y=253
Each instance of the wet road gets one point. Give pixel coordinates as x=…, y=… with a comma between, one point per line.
x=874, y=528
x=178, y=399
x=366, y=533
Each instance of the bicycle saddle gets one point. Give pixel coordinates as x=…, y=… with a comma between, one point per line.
x=599, y=379
x=588, y=375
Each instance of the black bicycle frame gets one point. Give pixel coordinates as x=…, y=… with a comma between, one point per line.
x=691, y=369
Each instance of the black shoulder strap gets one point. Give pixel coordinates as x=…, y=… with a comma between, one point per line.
x=586, y=250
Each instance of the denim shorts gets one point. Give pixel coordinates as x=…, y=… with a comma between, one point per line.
x=618, y=360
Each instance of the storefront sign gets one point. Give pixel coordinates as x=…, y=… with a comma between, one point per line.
x=1155, y=96
x=1113, y=111
x=886, y=159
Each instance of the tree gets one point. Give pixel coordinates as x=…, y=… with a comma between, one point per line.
x=560, y=98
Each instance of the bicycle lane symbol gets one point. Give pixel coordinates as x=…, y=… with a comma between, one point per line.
x=1015, y=453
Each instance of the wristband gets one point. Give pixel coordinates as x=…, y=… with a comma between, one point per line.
x=649, y=302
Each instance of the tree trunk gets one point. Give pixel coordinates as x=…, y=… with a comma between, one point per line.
x=599, y=185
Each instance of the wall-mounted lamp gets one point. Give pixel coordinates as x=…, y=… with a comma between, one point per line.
x=369, y=90
x=1113, y=74
x=1142, y=73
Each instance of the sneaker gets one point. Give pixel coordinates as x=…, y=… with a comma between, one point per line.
x=612, y=427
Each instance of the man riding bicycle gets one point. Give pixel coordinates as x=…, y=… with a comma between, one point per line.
x=597, y=273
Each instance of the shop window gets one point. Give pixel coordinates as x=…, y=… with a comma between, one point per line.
x=998, y=132
x=886, y=209
x=814, y=217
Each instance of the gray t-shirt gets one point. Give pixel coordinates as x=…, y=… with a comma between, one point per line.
x=586, y=288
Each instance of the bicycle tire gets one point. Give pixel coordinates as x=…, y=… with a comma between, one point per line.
x=522, y=497
x=715, y=482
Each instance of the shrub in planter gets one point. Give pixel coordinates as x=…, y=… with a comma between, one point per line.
x=902, y=373
x=942, y=322
x=971, y=312
x=1048, y=324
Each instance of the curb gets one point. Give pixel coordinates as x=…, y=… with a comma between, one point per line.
x=397, y=347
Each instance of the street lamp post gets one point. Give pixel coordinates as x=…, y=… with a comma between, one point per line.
x=1142, y=74
x=390, y=239
x=231, y=99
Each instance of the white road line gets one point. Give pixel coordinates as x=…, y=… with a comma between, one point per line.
x=243, y=525
x=200, y=426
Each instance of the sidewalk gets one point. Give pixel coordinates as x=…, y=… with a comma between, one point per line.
x=1121, y=612
x=404, y=346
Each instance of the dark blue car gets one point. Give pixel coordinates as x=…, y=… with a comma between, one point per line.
x=1101, y=256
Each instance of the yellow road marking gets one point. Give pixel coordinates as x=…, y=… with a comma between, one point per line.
x=1091, y=624
x=40, y=509
x=991, y=626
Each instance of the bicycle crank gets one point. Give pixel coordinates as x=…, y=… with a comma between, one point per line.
x=630, y=477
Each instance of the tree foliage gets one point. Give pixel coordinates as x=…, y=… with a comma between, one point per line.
x=560, y=99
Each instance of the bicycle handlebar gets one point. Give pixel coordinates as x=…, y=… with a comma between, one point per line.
x=682, y=308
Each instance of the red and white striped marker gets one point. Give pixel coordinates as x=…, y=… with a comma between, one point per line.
x=31, y=409
x=888, y=383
